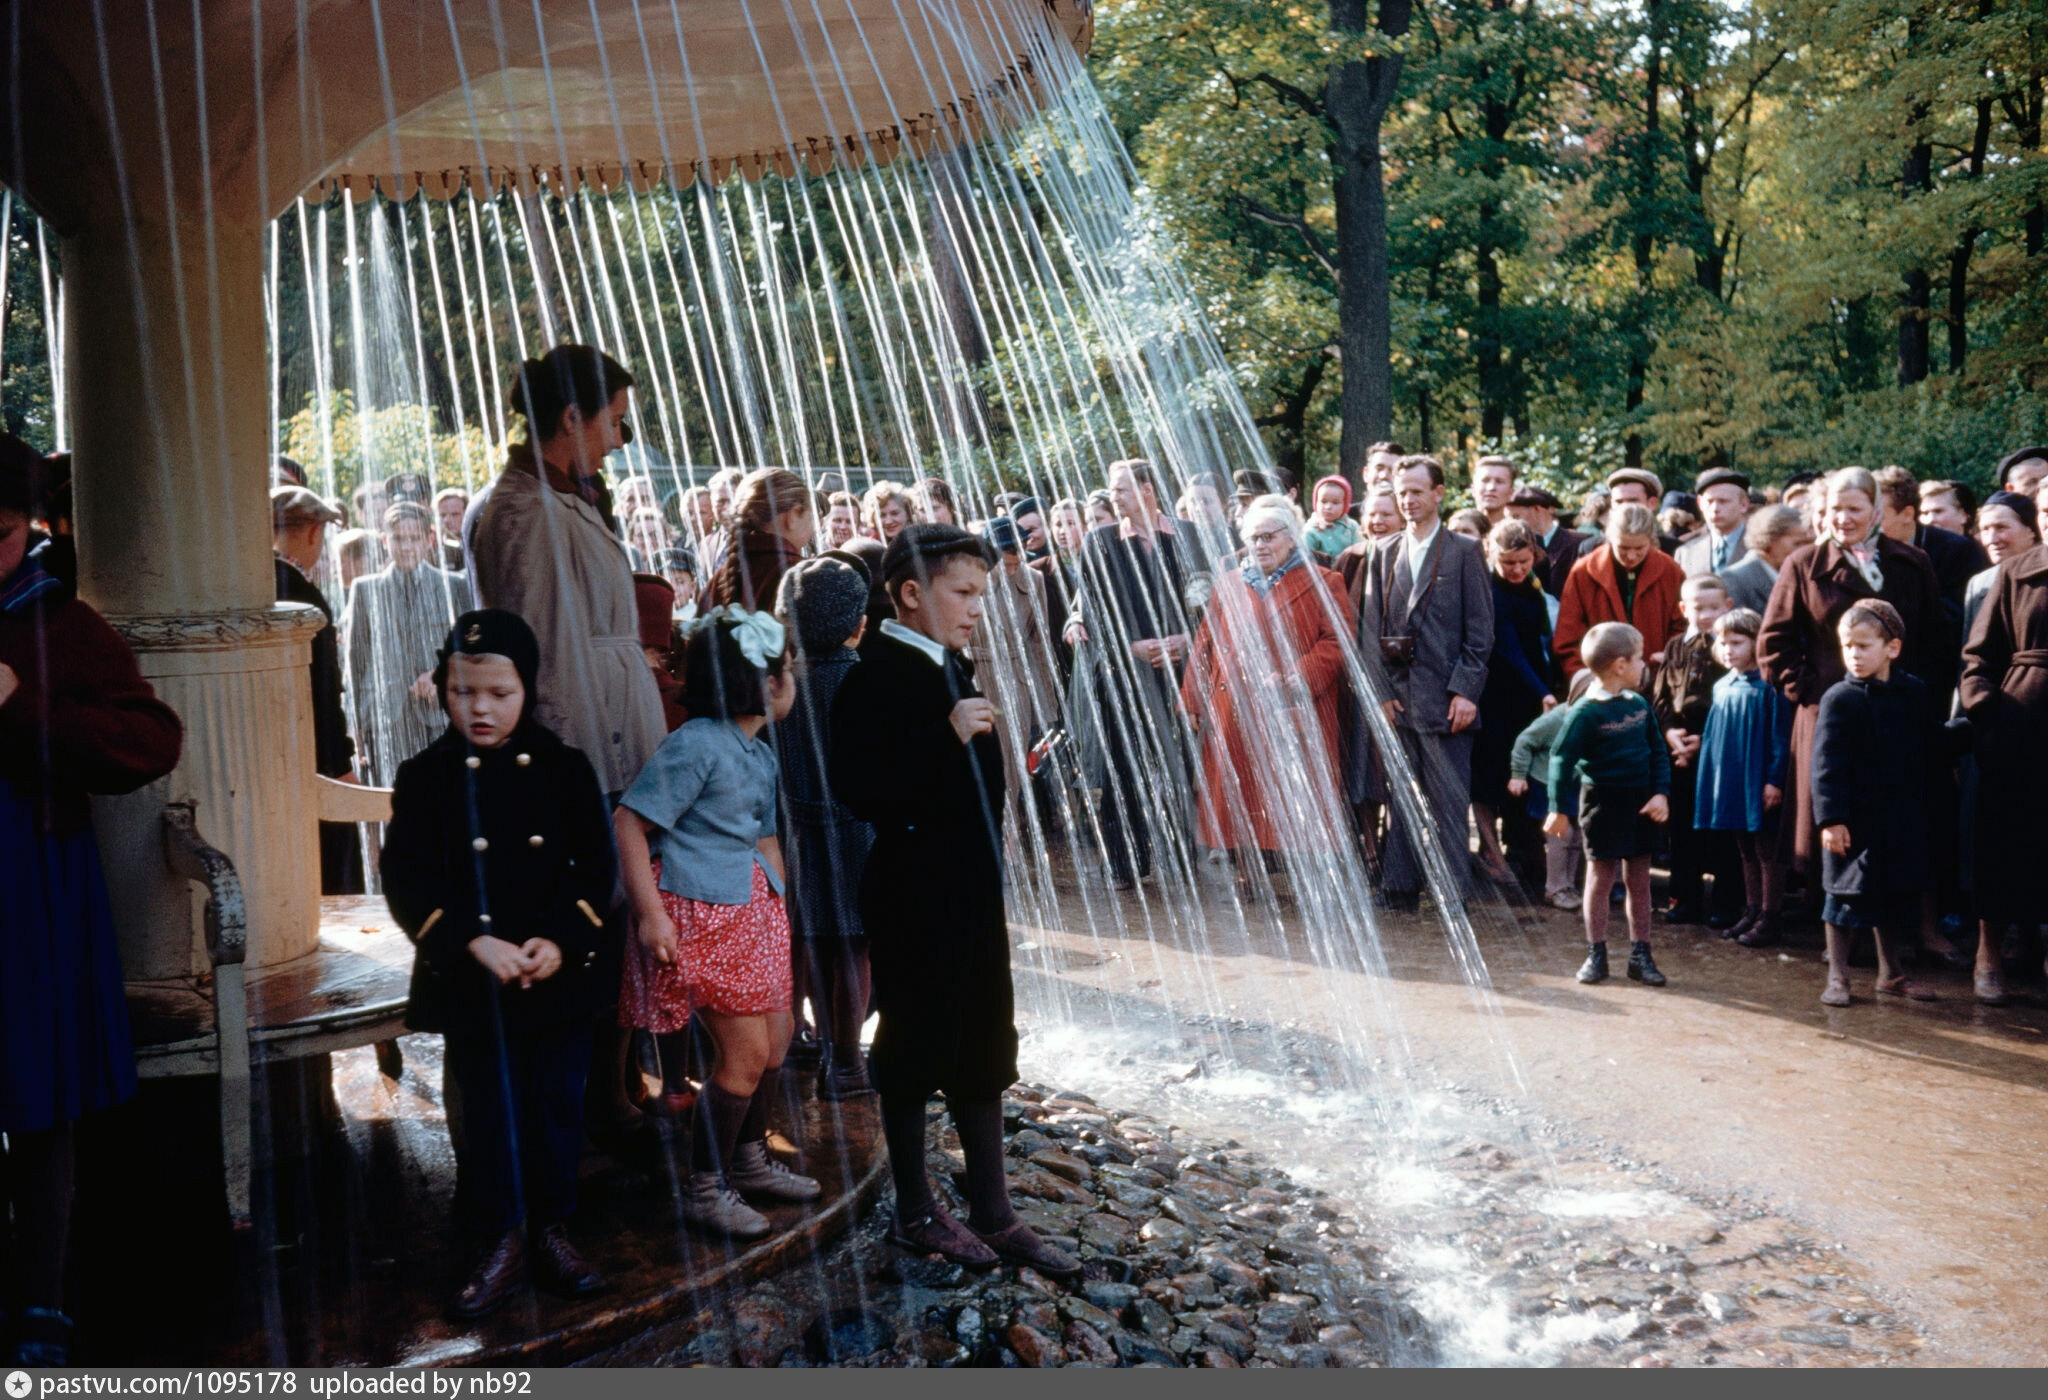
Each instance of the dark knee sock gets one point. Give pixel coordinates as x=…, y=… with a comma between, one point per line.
x=903, y=1130
x=980, y=1126
x=719, y=1116
x=40, y=1166
x=761, y=1107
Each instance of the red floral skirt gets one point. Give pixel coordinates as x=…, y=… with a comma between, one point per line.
x=730, y=958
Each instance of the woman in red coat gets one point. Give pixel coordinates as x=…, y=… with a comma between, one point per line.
x=76, y=718
x=1801, y=654
x=1627, y=579
x=1262, y=692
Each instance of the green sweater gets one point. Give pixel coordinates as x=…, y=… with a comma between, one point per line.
x=1530, y=758
x=1608, y=743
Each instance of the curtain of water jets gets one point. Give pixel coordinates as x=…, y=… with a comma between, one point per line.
x=1003, y=315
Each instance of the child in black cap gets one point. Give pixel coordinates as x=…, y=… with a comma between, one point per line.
x=496, y=863
x=824, y=602
x=914, y=752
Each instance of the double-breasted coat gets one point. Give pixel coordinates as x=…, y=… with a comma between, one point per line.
x=514, y=842
x=1874, y=744
x=1263, y=691
x=1800, y=653
x=2004, y=691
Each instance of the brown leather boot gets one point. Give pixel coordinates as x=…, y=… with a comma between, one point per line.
x=501, y=1270
x=559, y=1269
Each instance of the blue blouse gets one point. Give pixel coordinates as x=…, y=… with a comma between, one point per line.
x=1745, y=745
x=709, y=791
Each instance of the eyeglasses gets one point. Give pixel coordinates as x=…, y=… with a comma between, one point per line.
x=1266, y=537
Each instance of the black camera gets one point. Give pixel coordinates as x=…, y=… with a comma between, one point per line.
x=1396, y=652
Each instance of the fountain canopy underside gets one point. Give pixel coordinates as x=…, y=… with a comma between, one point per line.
x=269, y=100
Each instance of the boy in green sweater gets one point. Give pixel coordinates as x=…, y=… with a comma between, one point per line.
x=1612, y=754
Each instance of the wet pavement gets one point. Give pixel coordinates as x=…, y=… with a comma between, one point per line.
x=1875, y=1170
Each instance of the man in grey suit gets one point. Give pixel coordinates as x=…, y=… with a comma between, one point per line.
x=1723, y=495
x=1771, y=536
x=1426, y=615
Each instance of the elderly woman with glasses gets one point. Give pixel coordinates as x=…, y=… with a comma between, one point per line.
x=1262, y=694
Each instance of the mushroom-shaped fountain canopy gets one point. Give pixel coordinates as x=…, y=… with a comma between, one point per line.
x=255, y=102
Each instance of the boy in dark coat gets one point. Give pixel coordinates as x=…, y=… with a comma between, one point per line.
x=914, y=753
x=1681, y=693
x=497, y=859
x=1872, y=747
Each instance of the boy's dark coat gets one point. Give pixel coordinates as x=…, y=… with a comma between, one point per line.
x=931, y=899
x=1872, y=748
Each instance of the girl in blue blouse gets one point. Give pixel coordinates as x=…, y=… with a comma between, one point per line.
x=713, y=939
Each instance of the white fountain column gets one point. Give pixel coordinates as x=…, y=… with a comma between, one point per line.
x=164, y=342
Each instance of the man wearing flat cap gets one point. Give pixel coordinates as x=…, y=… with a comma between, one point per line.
x=1723, y=496
x=1562, y=545
x=298, y=533
x=1643, y=487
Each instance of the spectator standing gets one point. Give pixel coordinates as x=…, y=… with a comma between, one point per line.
x=935, y=502
x=1875, y=738
x=543, y=548
x=1268, y=662
x=1561, y=545
x=1626, y=579
x=2023, y=470
x=1014, y=661
x=1641, y=487
x=298, y=533
x=450, y=506
x=1681, y=693
x=1517, y=691
x=1770, y=538
x=1799, y=647
x=1493, y=487
x=1949, y=505
x=391, y=632
x=1426, y=616
x=886, y=508
x=1131, y=612
x=774, y=521
x=1955, y=559
x=1723, y=496
x=1745, y=750
x=2004, y=691
x=76, y=719
x=1529, y=777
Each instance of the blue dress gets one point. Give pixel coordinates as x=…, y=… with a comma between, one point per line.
x=1743, y=748
x=64, y=1043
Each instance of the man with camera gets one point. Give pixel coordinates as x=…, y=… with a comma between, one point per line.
x=1425, y=630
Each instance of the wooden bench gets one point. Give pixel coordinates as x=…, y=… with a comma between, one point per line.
x=350, y=991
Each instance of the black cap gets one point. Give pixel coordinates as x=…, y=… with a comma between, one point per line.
x=677, y=557
x=1257, y=483
x=1023, y=506
x=2013, y=459
x=2022, y=506
x=1722, y=476
x=1002, y=532
x=492, y=632
x=919, y=548
x=1679, y=500
x=1535, y=496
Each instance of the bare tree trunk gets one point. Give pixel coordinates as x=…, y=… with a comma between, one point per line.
x=1357, y=97
x=1917, y=299
x=1641, y=244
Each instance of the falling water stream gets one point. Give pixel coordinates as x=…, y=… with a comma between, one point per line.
x=1003, y=314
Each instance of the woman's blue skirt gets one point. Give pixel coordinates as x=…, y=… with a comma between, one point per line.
x=64, y=1039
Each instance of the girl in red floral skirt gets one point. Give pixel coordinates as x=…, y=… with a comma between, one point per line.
x=707, y=899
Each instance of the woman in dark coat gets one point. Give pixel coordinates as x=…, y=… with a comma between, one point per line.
x=76, y=718
x=1798, y=649
x=2004, y=691
x=1517, y=684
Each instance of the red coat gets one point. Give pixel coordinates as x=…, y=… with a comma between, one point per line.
x=1592, y=595
x=83, y=719
x=1248, y=652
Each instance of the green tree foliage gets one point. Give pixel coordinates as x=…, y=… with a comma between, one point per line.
x=1779, y=233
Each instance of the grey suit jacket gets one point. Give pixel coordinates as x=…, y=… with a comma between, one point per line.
x=1450, y=619
x=1750, y=581
x=1696, y=555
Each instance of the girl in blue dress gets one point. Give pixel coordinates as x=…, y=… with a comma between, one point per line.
x=1743, y=754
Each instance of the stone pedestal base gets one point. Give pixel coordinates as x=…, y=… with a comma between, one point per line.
x=239, y=682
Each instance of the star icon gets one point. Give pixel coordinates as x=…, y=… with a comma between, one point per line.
x=18, y=1384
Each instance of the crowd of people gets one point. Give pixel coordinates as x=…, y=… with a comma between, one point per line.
x=723, y=775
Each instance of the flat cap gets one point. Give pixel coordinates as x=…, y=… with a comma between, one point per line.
x=1721, y=476
x=1535, y=496
x=1641, y=476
